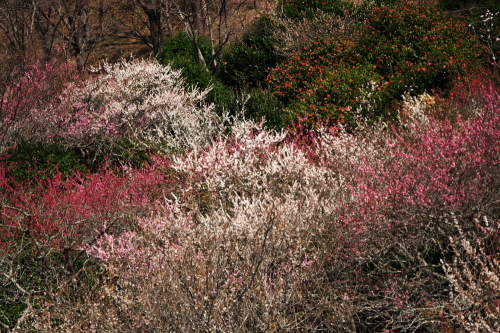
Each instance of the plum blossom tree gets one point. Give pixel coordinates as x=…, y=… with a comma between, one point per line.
x=138, y=105
x=256, y=231
x=266, y=225
x=140, y=102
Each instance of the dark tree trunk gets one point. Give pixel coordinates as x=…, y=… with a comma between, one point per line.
x=153, y=10
x=155, y=26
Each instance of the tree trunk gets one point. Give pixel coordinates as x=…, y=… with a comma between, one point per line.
x=155, y=26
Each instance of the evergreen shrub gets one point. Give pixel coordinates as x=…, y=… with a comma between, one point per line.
x=300, y=9
x=248, y=60
x=180, y=52
x=404, y=48
x=32, y=160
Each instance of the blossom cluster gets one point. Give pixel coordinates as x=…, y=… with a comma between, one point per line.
x=128, y=105
x=264, y=222
x=332, y=229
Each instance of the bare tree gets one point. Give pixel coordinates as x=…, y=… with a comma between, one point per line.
x=199, y=18
x=156, y=15
x=218, y=20
x=16, y=26
x=67, y=22
x=40, y=27
x=76, y=27
x=148, y=21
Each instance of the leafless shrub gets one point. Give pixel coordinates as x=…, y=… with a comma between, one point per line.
x=329, y=231
x=295, y=35
x=474, y=274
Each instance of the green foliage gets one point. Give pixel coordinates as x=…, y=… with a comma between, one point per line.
x=300, y=9
x=43, y=272
x=226, y=99
x=291, y=78
x=126, y=152
x=484, y=20
x=30, y=276
x=10, y=312
x=256, y=104
x=403, y=48
x=263, y=105
x=221, y=96
x=180, y=52
x=247, y=62
x=417, y=47
x=344, y=93
x=244, y=68
x=467, y=4
x=36, y=159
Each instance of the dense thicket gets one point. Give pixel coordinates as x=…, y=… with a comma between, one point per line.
x=335, y=168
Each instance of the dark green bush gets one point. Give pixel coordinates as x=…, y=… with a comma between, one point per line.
x=180, y=52
x=418, y=47
x=10, y=312
x=291, y=78
x=35, y=159
x=42, y=274
x=126, y=152
x=300, y=9
x=483, y=18
x=247, y=62
x=12, y=301
x=344, y=93
x=466, y=5
x=263, y=105
x=403, y=48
